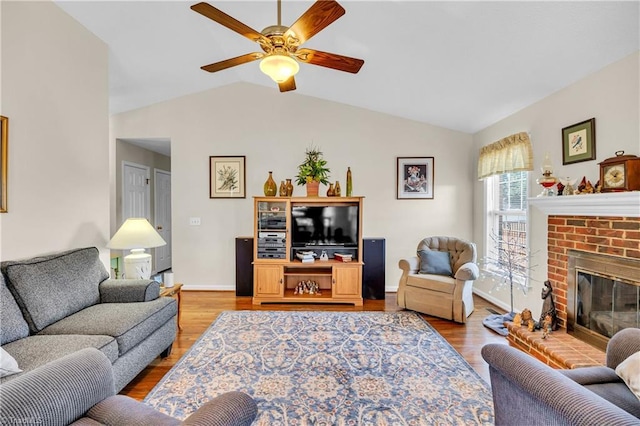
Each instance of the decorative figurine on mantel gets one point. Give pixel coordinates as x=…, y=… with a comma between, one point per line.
x=548, y=307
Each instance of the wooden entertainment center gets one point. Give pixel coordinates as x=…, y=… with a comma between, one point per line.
x=285, y=226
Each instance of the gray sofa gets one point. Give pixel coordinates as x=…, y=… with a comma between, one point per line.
x=528, y=392
x=52, y=306
x=78, y=389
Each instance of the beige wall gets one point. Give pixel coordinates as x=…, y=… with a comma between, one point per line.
x=54, y=89
x=611, y=95
x=272, y=130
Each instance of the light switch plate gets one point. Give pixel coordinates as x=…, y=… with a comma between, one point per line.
x=194, y=221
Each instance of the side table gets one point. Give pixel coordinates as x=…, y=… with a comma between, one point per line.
x=170, y=292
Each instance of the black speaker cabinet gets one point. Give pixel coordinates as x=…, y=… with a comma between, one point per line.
x=373, y=271
x=244, y=268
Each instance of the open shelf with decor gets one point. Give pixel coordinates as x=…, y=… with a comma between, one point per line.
x=313, y=228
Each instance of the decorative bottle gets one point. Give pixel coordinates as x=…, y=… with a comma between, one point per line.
x=270, y=187
x=283, y=189
x=331, y=191
x=338, y=190
x=289, y=188
x=349, y=183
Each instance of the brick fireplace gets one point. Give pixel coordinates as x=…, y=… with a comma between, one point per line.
x=610, y=235
x=595, y=224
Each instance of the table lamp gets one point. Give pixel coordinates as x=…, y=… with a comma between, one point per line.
x=136, y=234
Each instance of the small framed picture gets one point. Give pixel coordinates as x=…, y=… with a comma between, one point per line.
x=414, y=178
x=227, y=177
x=579, y=142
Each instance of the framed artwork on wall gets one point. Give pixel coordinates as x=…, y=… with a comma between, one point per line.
x=4, y=161
x=579, y=142
x=227, y=177
x=414, y=178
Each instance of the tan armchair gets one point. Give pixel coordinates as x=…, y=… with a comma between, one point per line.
x=440, y=295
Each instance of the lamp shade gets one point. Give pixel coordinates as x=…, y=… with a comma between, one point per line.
x=136, y=233
x=279, y=67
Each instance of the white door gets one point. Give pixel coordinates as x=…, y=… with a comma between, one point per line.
x=162, y=195
x=135, y=191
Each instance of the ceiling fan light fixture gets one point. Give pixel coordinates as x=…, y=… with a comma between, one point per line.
x=279, y=67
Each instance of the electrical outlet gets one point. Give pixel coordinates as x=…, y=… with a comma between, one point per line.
x=194, y=221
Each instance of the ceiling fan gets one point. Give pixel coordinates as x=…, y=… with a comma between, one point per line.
x=281, y=45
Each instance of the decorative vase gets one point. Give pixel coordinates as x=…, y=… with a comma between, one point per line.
x=289, y=188
x=312, y=188
x=283, y=189
x=349, y=183
x=270, y=187
x=331, y=192
x=338, y=191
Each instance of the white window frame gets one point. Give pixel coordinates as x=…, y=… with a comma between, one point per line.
x=492, y=214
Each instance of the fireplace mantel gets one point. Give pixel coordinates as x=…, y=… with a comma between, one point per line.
x=623, y=204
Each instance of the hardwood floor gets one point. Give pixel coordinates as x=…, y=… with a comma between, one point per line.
x=200, y=309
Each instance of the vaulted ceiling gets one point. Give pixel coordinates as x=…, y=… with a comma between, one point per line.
x=460, y=65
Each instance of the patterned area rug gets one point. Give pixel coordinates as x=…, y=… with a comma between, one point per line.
x=331, y=368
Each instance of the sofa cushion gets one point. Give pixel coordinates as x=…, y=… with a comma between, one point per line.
x=34, y=351
x=618, y=394
x=49, y=288
x=439, y=283
x=435, y=262
x=12, y=323
x=128, y=323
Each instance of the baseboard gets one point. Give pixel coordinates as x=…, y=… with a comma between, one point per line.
x=209, y=287
x=489, y=298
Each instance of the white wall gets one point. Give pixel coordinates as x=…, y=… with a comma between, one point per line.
x=55, y=93
x=272, y=130
x=611, y=95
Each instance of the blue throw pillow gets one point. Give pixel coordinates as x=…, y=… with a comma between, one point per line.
x=435, y=262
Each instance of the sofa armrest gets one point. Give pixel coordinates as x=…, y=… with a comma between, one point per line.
x=622, y=345
x=467, y=272
x=123, y=291
x=410, y=265
x=228, y=409
x=526, y=391
x=59, y=392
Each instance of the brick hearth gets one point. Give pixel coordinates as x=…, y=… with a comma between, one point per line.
x=558, y=350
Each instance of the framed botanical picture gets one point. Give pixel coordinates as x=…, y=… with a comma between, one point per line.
x=579, y=142
x=4, y=161
x=227, y=177
x=414, y=177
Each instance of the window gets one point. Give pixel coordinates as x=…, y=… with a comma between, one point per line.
x=506, y=230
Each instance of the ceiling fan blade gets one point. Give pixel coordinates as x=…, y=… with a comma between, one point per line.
x=233, y=24
x=329, y=60
x=218, y=66
x=288, y=85
x=319, y=16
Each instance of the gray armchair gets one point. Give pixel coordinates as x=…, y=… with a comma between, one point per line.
x=528, y=392
x=79, y=389
x=445, y=294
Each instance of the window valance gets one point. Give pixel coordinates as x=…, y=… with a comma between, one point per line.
x=511, y=154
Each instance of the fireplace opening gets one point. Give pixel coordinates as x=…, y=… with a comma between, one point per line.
x=603, y=296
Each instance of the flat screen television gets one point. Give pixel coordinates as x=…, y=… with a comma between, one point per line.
x=324, y=226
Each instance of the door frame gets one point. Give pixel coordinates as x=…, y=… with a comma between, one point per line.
x=157, y=171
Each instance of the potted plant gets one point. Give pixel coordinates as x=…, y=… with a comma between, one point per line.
x=313, y=171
